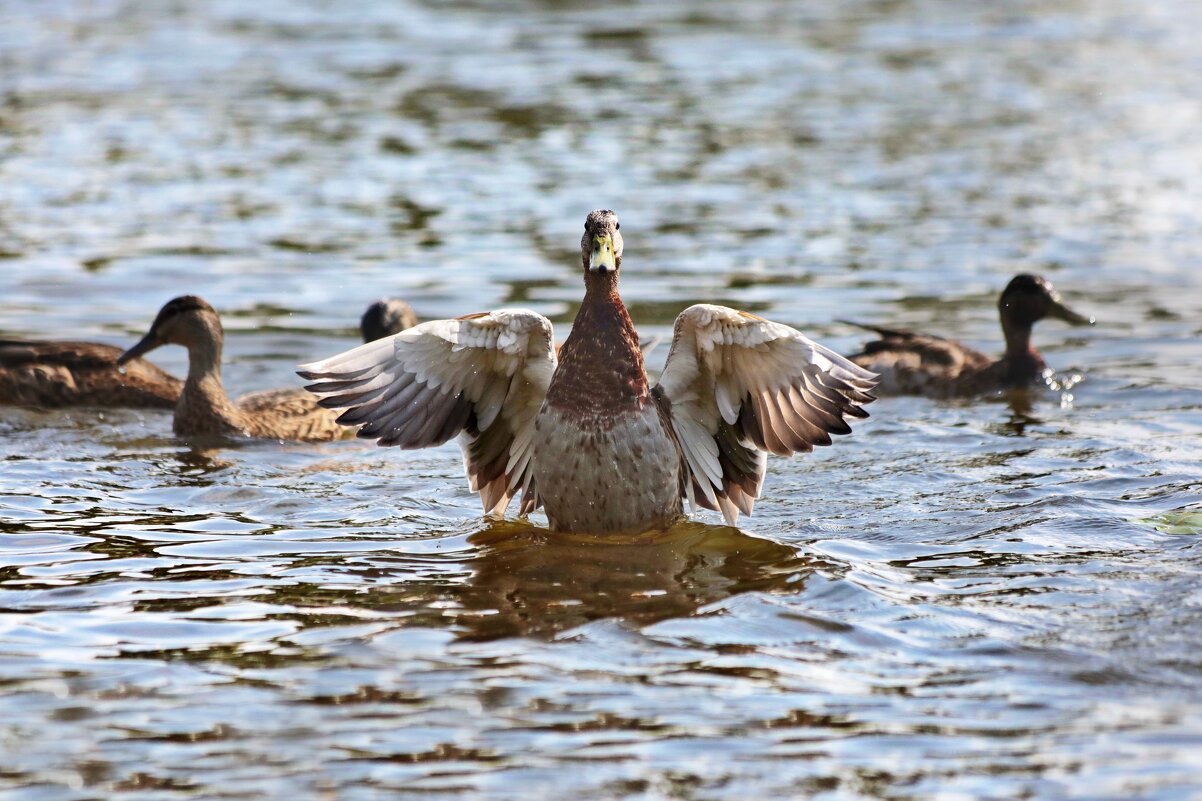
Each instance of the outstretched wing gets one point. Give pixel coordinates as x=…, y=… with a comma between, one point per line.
x=483, y=376
x=736, y=386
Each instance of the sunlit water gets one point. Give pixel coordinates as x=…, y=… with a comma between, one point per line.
x=995, y=599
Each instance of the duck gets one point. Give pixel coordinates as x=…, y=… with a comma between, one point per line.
x=910, y=363
x=581, y=433
x=56, y=374
x=203, y=409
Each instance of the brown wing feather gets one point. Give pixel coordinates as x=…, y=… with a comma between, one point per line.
x=482, y=376
x=742, y=462
x=288, y=414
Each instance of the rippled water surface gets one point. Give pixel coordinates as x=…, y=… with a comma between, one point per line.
x=996, y=599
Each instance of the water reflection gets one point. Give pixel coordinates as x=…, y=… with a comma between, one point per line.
x=527, y=581
x=1021, y=402
x=515, y=579
x=198, y=462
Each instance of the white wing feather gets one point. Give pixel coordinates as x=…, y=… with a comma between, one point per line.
x=738, y=386
x=483, y=377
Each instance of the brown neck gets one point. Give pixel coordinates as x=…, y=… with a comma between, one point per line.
x=203, y=406
x=204, y=354
x=1023, y=362
x=600, y=364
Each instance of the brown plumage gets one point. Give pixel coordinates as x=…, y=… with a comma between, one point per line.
x=203, y=408
x=910, y=363
x=601, y=361
x=583, y=435
x=51, y=375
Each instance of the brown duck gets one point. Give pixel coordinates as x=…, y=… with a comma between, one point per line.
x=48, y=374
x=583, y=434
x=922, y=364
x=203, y=408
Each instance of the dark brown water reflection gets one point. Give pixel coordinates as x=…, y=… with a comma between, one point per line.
x=994, y=599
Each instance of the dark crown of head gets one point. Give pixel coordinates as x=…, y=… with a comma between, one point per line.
x=184, y=303
x=187, y=303
x=1028, y=282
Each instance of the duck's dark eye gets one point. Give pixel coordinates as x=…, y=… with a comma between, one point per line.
x=617, y=226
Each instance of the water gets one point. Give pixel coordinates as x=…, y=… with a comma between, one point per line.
x=996, y=599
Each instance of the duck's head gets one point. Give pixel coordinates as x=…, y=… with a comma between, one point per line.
x=601, y=245
x=1028, y=298
x=386, y=317
x=186, y=320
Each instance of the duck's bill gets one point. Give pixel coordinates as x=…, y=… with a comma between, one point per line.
x=1062, y=312
x=145, y=345
x=602, y=260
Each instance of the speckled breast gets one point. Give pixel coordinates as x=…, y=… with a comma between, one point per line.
x=620, y=477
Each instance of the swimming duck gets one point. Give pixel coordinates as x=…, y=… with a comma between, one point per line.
x=582, y=434
x=52, y=374
x=203, y=409
x=921, y=364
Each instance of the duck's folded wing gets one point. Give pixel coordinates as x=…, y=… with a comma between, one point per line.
x=926, y=348
x=736, y=386
x=282, y=402
x=896, y=334
x=483, y=376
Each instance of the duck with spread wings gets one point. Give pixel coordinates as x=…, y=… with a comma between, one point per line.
x=583, y=434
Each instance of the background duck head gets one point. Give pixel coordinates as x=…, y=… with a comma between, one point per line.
x=386, y=317
x=186, y=320
x=1026, y=300
x=601, y=248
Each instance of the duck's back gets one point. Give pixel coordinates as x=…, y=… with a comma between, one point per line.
x=288, y=414
x=910, y=363
x=49, y=374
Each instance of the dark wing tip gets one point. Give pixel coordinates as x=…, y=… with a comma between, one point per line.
x=333, y=402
